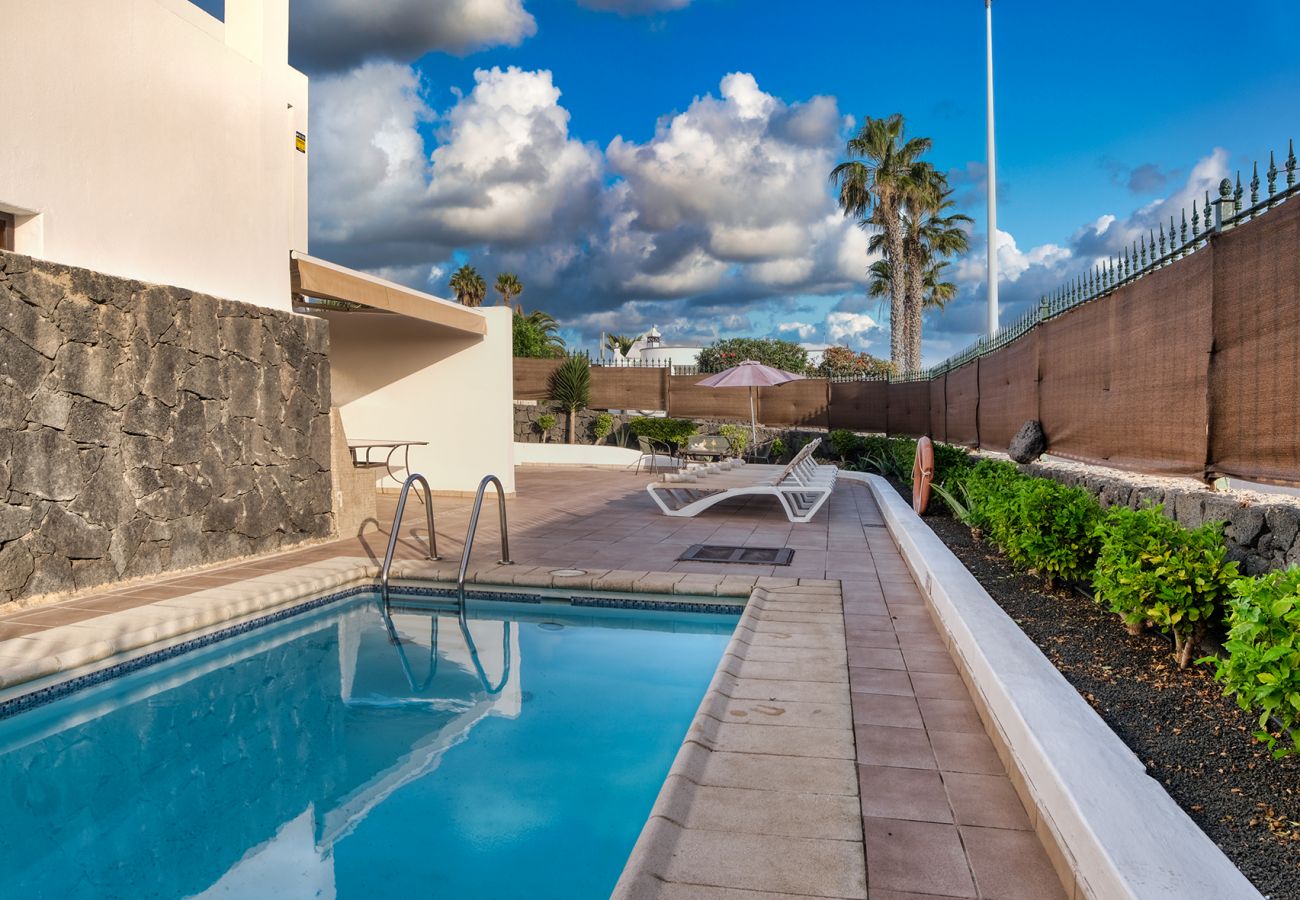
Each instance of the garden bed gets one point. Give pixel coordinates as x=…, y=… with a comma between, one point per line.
x=1193, y=740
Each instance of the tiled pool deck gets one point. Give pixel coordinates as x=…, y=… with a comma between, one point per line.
x=939, y=816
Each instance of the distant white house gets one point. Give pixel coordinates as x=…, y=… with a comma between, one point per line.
x=650, y=347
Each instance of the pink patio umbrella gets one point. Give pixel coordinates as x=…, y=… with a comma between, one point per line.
x=750, y=374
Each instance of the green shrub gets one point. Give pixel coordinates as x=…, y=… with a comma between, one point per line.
x=545, y=422
x=739, y=437
x=668, y=431
x=845, y=443
x=1151, y=568
x=1052, y=529
x=778, y=449
x=990, y=489
x=603, y=425
x=902, y=451
x=1262, y=669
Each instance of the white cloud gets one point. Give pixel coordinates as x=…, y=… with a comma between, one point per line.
x=731, y=190
x=331, y=35
x=505, y=172
x=854, y=330
x=805, y=330
x=634, y=7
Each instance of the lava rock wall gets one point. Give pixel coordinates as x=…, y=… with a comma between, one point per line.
x=145, y=428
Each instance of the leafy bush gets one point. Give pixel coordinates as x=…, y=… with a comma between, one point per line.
x=903, y=453
x=1151, y=568
x=545, y=422
x=668, y=431
x=990, y=488
x=845, y=443
x=570, y=387
x=951, y=463
x=773, y=352
x=1262, y=668
x=603, y=425
x=1052, y=529
x=739, y=437
x=841, y=362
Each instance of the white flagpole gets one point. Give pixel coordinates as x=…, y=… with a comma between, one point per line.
x=992, y=178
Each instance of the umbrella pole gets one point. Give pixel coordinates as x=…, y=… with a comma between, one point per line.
x=753, y=423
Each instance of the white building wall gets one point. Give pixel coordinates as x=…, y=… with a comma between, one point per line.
x=145, y=138
x=399, y=378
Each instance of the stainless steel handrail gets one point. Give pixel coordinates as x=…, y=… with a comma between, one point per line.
x=473, y=526
x=387, y=567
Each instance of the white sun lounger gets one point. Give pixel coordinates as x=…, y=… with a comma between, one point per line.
x=801, y=487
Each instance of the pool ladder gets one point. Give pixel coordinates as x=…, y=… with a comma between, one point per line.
x=386, y=569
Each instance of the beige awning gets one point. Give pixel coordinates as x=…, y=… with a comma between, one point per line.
x=313, y=277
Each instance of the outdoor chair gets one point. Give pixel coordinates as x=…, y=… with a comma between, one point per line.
x=760, y=454
x=802, y=487
x=651, y=453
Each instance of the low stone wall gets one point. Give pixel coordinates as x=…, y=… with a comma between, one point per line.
x=527, y=431
x=145, y=429
x=1261, y=529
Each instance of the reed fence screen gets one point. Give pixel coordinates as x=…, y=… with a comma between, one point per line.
x=1187, y=366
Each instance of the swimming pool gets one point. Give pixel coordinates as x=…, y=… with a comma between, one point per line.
x=513, y=753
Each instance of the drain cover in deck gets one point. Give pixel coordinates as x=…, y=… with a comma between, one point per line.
x=760, y=556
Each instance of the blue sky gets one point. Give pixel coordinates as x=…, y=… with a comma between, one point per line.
x=647, y=191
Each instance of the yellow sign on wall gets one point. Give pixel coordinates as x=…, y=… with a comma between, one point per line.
x=300, y=141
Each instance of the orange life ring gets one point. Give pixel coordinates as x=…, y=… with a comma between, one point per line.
x=922, y=475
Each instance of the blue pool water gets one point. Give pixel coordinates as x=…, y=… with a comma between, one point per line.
x=309, y=758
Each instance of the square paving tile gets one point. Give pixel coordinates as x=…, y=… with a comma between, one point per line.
x=985, y=800
x=950, y=715
x=925, y=857
x=894, y=792
x=874, y=657
x=886, y=709
x=938, y=686
x=879, y=681
x=957, y=752
x=1011, y=865
x=885, y=745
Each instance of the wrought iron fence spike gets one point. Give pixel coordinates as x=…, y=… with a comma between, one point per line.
x=1196, y=220
x=1162, y=240
x=1254, y=185
x=1272, y=176
x=1183, y=233
x=1290, y=162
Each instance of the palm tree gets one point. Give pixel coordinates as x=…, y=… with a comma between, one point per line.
x=545, y=323
x=936, y=293
x=931, y=232
x=509, y=287
x=872, y=184
x=619, y=343
x=469, y=286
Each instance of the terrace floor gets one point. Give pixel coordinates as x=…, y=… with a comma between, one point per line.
x=940, y=817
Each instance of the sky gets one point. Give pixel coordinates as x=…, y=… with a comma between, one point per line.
x=665, y=162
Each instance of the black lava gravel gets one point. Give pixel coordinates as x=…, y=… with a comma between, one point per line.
x=1193, y=740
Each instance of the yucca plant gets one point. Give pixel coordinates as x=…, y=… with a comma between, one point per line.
x=570, y=389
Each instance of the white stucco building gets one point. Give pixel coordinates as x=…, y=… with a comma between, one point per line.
x=650, y=348
x=147, y=139
x=150, y=140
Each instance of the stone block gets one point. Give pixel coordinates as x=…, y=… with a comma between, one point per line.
x=76, y=319
x=38, y=287
x=50, y=408
x=93, y=423
x=58, y=532
x=87, y=371
x=1283, y=522
x=21, y=367
x=27, y=323
x=47, y=464
x=16, y=566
